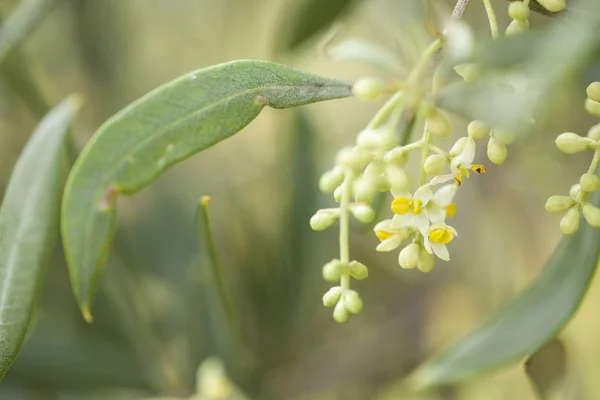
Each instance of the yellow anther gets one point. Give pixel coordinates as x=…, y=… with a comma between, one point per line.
x=451, y=210
x=441, y=235
x=458, y=179
x=401, y=205
x=417, y=206
x=382, y=235
x=463, y=171
x=480, y=169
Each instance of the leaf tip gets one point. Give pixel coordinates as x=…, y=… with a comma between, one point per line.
x=76, y=100
x=87, y=314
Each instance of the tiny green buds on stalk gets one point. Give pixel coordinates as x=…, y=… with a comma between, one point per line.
x=553, y=5
x=518, y=10
x=478, y=129
x=591, y=214
x=332, y=296
x=409, y=256
x=438, y=124
x=496, y=151
x=333, y=270
x=592, y=107
x=594, y=132
x=323, y=219
x=558, y=204
x=435, y=164
x=369, y=88
x=593, y=91
x=589, y=182
x=569, y=223
x=571, y=143
x=516, y=27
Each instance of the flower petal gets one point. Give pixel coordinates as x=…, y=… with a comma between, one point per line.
x=385, y=225
x=390, y=243
x=424, y=194
x=421, y=222
x=441, y=251
x=444, y=195
x=466, y=157
x=442, y=178
x=401, y=220
x=427, y=245
x=435, y=213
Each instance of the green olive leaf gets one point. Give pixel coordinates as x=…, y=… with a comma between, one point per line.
x=29, y=219
x=168, y=125
x=24, y=19
x=528, y=322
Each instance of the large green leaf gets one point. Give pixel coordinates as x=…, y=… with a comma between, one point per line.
x=159, y=130
x=529, y=321
x=29, y=219
x=21, y=22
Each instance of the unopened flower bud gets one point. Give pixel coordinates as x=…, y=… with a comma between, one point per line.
x=340, y=312
x=409, y=256
x=571, y=143
x=337, y=193
x=332, y=296
x=458, y=147
x=374, y=169
x=352, y=157
x=518, y=10
x=589, y=183
x=323, y=219
x=434, y=164
x=469, y=72
x=369, y=88
x=395, y=156
x=439, y=125
x=592, y=107
x=593, y=91
x=557, y=204
x=594, y=132
x=358, y=270
x=569, y=223
x=376, y=139
x=362, y=212
x=364, y=190
x=496, y=151
x=353, y=302
x=553, y=5
x=331, y=179
x=383, y=183
x=517, y=26
x=575, y=190
x=398, y=178
x=504, y=136
x=478, y=129
x=591, y=215
x=426, y=261
x=332, y=271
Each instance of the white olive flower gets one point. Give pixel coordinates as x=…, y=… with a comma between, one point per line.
x=436, y=239
x=410, y=209
x=460, y=164
x=390, y=236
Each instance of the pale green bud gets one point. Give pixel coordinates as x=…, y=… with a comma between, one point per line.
x=397, y=177
x=376, y=138
x=478, y=129
x=589, y=183
x=591, y=215
x=409, y=256
x=358, y=270
x=340, y=312
x=362, y=212
x=364, y=189
x=395, y=156
x=332, y=271
x=331, y=179
x=337, y=193
x=374, y=169
x=469, y=72
x=592, y=107
x=426, y=261
x=458, y=147
x=575, y=190
x=352, y=158
x=504, y=136
x=571, y=143
x=496, y=151
x=439, y=125
x=569, y=223
x=517, y=26
x=353, y=302
x=557, y=204
x=383, y=183
x=369, y=88
x=323, y=219
x=434, y=164
x=553, y=5
x=594, y=132
x=593, y=91
x=518, y=10
x=332, y=296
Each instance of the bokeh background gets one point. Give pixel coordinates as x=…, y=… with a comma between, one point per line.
x=156, y=318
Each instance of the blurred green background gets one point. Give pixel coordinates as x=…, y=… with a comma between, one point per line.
x=156, y=318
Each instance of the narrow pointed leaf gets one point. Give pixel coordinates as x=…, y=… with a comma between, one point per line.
x=166, y=126
x=26, y=17
x=29, y=219
x=528, y=322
